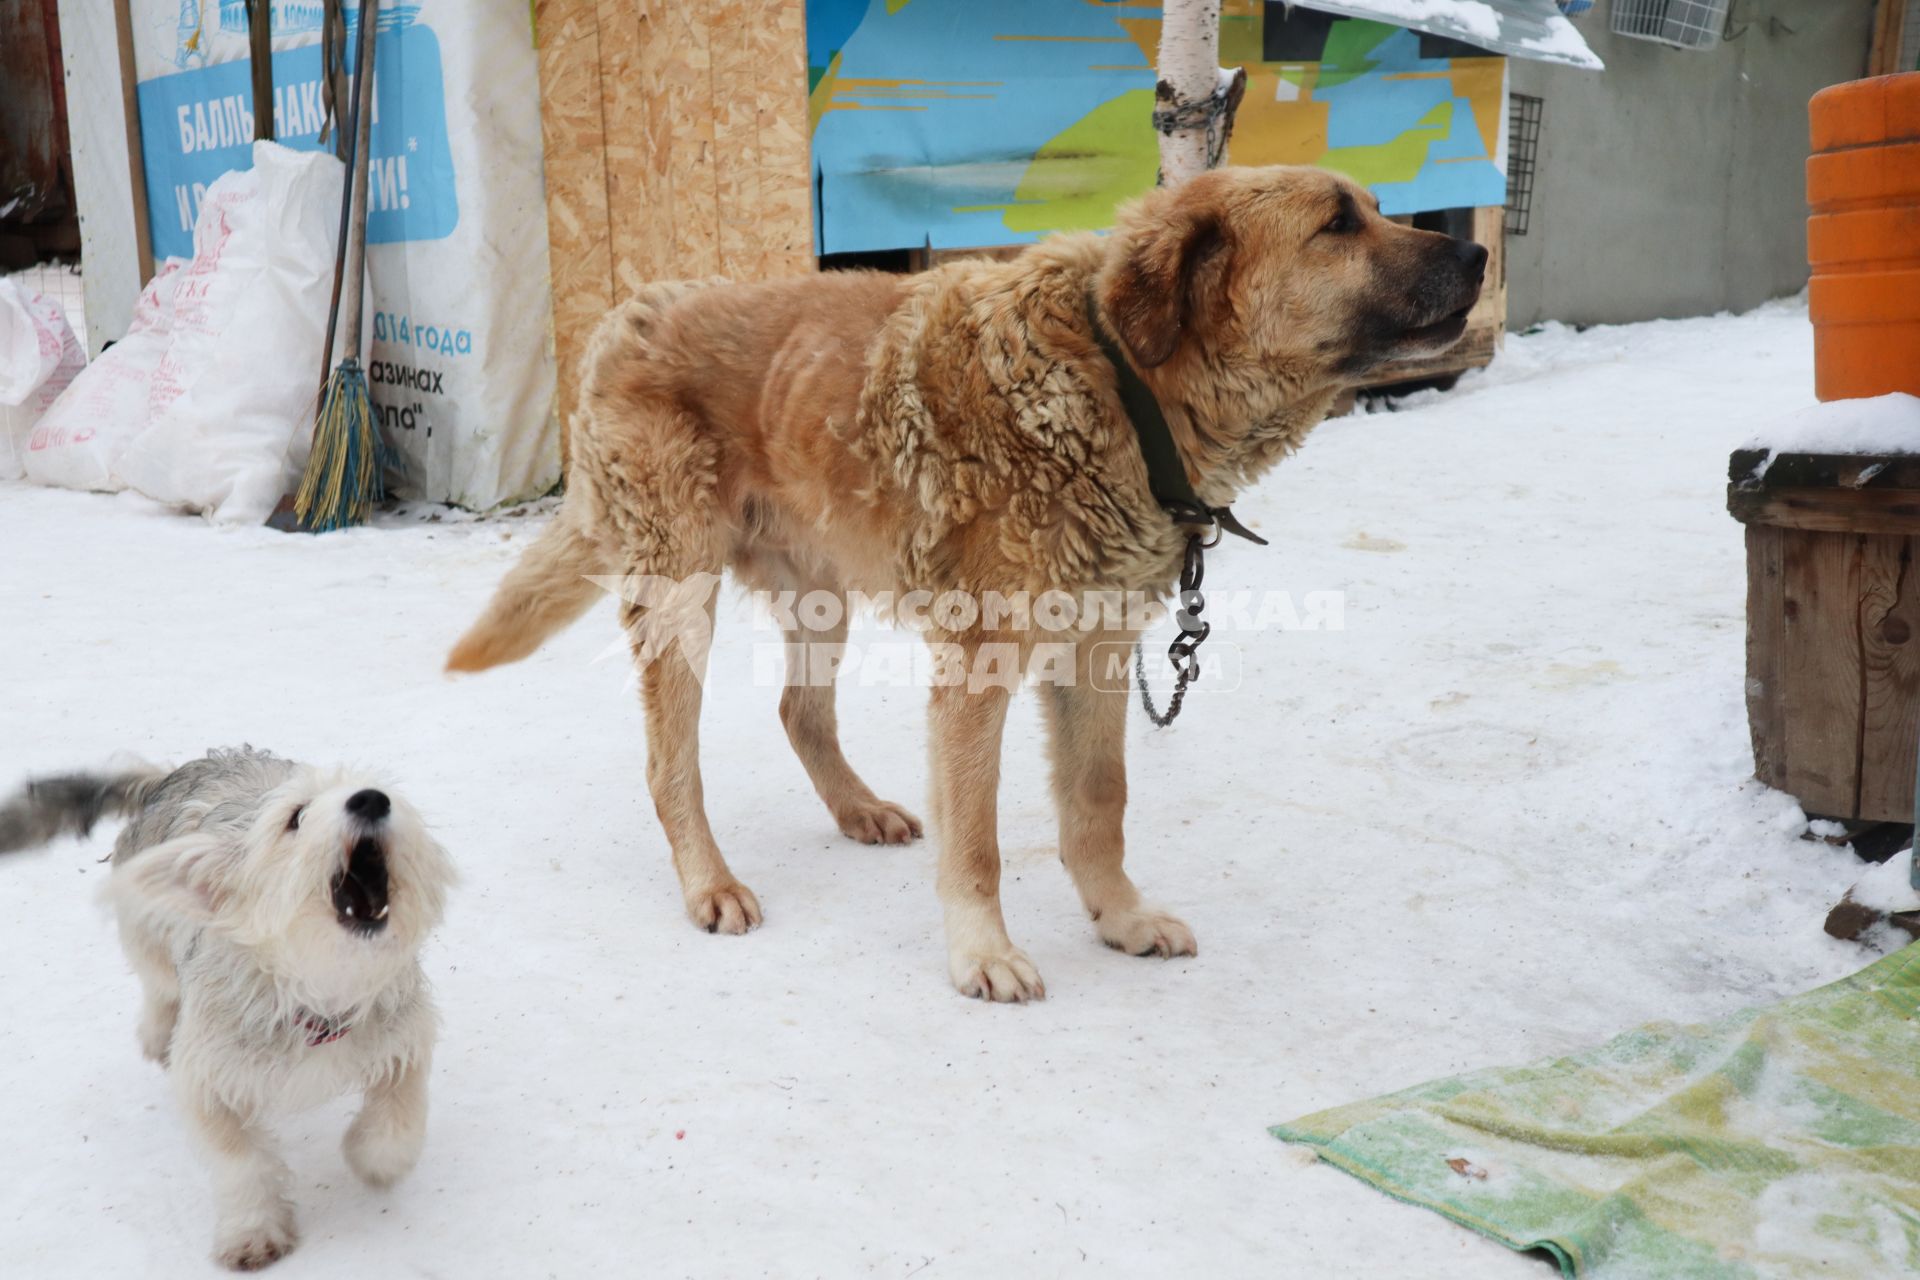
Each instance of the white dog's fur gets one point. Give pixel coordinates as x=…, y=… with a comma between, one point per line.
x=269, y=982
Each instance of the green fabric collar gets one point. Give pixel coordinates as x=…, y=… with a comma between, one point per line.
x=1166, y=473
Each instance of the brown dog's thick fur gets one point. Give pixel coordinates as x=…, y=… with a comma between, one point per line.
x=960, y=430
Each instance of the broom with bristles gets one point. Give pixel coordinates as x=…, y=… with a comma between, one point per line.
x=343, y=477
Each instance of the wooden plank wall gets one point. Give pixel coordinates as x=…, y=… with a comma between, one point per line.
x=1766, y=646
x=676, y=147
x=1890, y=676
x=1833, y=668
x=1819, y=670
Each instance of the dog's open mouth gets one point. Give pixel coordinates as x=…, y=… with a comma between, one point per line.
x=360, y=891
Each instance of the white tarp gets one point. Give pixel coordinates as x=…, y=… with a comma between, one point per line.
x=79, y=437
x=207, y=402
x=459, y=352
x=248, y=325
x=1519, y=28
x=39, y=357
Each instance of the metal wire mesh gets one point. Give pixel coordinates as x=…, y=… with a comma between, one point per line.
x=1684, y=24
x=1523, y=147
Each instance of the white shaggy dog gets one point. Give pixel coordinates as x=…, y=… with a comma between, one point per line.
x=274, y=913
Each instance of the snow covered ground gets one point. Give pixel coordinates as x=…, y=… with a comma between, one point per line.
x=1505, y=812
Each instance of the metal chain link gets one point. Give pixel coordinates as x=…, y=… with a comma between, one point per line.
x=1183, y=654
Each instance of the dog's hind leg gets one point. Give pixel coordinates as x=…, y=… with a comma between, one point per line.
x=672, y=661
x=383, y=1143
x=659, y=494
x=981, y=958
x=255, y=1223
x=1087, y=724
x=159, y=987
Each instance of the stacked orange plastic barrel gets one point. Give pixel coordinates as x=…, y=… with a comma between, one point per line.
x=1863, y=238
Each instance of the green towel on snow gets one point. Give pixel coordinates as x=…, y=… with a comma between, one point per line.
x=1778, y=1142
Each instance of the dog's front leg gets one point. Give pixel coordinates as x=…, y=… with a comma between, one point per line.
x=255, y=1222
x=806, y=711
x=1087, y=731
x=383, y=1143
x=159, y=988
x=981, y=957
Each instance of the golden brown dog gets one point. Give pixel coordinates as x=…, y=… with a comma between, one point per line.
x=960, y=430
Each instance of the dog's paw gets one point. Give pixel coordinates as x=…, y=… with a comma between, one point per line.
x=1146, y=932
x=731, y=908
x=1005, y=976
x=258, y=1245
x=879, y=823
x=381, y=1152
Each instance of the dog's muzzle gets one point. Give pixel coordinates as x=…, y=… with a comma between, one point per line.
x=360, y=889
x=1448, y=290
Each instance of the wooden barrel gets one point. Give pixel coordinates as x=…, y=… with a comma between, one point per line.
x=1863, y=238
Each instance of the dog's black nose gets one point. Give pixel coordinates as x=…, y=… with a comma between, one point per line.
x=369, y=804
x=1472, y=256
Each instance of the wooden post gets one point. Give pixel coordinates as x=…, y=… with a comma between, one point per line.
x=136, y=162
x=1889, y=32
x=260, y=66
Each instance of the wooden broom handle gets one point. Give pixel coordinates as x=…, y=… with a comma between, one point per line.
x=260, y=63
x=363, y=130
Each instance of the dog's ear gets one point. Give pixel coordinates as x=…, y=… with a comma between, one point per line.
x=179, y=881
x=1166, y=280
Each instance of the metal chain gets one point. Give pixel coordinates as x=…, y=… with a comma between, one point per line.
x=1183, y=653
x=1214, y=112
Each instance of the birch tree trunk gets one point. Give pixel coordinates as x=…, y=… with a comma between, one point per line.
x=1195, y=98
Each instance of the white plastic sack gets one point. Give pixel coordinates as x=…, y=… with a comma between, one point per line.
x=459, y=352
x=39, y=356
x=231, y=401
x=77, y=439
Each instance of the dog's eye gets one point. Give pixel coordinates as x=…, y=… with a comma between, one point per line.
x=1343, y=224
x=293, y=819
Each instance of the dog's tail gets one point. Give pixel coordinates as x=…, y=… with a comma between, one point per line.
x=47, y=808
x=543, y=593
x=549, y=588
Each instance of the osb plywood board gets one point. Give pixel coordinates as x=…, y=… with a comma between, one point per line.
x=676, y=135
x=780, y=110
x=573, y=136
